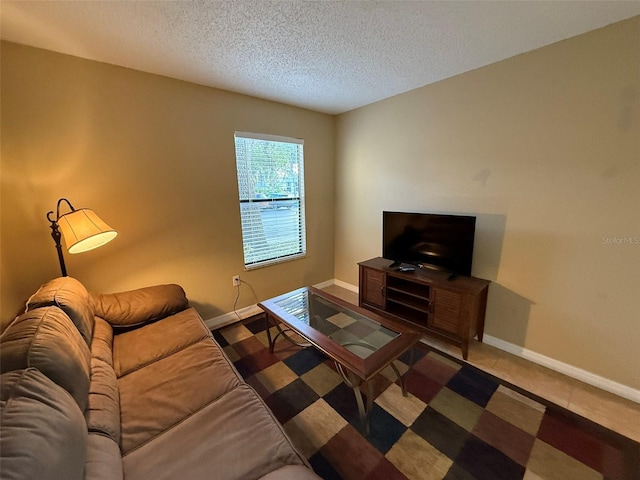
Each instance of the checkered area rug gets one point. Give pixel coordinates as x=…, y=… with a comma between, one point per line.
x=456, y=423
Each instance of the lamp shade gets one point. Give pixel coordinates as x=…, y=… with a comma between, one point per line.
x=83, y=230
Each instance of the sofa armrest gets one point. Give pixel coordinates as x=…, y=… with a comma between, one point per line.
x=43, y=433
x=69, y=295
x=140, y=306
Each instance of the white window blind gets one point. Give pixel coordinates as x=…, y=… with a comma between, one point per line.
x=271, y=188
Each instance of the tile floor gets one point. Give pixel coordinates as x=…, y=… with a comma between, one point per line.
x=609, y=410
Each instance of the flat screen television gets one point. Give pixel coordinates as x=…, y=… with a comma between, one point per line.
x=429, y=240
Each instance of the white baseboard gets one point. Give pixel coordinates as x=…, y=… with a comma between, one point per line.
x=232, y=317
x=345, y=285
x=325, y=284
x=246, y=312
x=566, y=369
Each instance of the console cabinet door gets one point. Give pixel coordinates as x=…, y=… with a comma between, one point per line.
x=372, y=284
x=447, y=311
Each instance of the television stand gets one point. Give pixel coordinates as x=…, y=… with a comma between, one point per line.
x=451, y=309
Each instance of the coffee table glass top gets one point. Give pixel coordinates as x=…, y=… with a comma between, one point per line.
x=357, y=333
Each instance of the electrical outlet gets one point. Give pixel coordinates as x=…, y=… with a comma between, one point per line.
x=236, y=280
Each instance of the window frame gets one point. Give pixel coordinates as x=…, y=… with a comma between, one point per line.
x=273, y=257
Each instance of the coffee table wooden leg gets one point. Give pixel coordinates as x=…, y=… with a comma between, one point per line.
x=272, y=342
x=364, y=410
x=403, y=378
x=403, y=384
x=355, y=383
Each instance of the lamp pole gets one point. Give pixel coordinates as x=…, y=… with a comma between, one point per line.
x=56, y=235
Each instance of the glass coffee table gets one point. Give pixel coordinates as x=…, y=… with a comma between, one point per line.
x=360, y=343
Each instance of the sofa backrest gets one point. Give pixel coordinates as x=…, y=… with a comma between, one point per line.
x=42, y=431
x=69, y=295
x=45, y=338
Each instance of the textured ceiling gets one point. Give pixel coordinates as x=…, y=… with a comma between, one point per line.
x=329, y=56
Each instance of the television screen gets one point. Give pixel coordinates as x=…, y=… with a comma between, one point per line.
x=429, y=240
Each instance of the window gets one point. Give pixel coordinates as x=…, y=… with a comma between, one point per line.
x=271, y=188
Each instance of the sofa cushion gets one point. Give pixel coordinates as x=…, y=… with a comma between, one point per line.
x=42, y=434
x=136, y=348
x=103, y=406
x=139, y=306
x=156, y=397
x=234, y=437
x=70, y=296
x=46, y=339
x=104, y=461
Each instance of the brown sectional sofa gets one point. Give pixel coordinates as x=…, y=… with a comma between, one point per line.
x=129, y=386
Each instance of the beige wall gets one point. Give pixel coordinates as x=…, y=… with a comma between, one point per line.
x=154, y=157
x=545, y=149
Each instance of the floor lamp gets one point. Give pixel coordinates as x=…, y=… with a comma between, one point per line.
x=82, y=230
